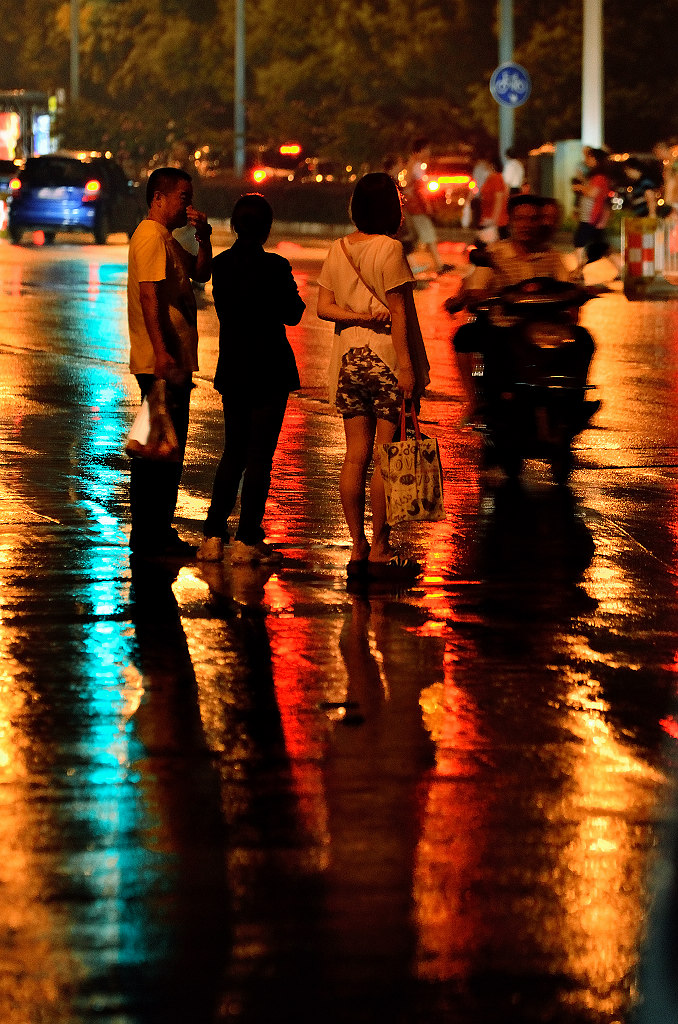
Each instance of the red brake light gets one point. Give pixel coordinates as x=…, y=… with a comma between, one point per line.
x=92, y=190
x=14, y=184
x=259, y=174
x=433, y=185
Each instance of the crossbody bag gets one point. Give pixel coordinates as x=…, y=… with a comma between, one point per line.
x=359, y=275
x=420, y=362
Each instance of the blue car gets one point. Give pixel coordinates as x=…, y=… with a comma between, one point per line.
x=73, y=192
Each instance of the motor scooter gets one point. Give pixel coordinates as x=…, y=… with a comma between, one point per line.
x=533, y=384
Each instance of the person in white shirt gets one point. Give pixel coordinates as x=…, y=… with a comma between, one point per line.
x=378, y=359
x=513, y=172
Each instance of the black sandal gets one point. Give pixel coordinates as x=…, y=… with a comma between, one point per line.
x=356, y=568
x=397, y=568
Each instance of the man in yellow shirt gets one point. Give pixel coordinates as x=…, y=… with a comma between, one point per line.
x=164, y=344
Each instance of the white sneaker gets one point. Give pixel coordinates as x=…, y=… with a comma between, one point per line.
x=254, y=554
x=211, y=550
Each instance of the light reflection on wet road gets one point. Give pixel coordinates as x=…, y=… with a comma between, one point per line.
x=256, y=796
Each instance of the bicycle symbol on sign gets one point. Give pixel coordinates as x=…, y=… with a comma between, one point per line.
x=510, y=85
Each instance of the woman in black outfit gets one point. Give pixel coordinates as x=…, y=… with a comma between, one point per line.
x=255, y=295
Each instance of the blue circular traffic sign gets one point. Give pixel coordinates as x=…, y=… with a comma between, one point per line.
x=510, y=84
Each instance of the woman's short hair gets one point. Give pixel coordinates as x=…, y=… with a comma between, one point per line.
x=376, y=206
x=252, y=217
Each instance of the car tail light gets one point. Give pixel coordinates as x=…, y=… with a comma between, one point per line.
x=433, y=185
x=454, y=179
x=14, y=184
x=92, y=190
x=259, y=175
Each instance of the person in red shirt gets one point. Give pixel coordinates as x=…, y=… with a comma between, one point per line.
x=493, y=207
x=594, y=211
x=418, y=206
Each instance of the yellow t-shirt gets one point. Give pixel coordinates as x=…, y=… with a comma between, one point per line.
x=154, y=255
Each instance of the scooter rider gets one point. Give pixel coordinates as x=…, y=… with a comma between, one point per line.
x=526, y=254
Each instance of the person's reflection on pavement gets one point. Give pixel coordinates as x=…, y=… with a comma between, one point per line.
x=181, y=790
x=378, y=756
x=274, y=860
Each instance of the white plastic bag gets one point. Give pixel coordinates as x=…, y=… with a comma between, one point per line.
x=152, y=435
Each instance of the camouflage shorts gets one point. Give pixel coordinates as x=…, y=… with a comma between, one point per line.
x=367, y=387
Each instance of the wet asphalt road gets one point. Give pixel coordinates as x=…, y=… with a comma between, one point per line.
x=253, y=796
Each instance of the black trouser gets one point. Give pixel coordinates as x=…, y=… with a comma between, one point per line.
x=154, y=485
x=251, y=427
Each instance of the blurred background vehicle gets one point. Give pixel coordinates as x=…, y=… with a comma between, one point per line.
x=285, y=162
x=73, y=192
x=450, y=185
x=316, y=169
x=288, y=163
x=8, y=170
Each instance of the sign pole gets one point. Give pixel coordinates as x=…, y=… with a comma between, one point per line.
x=239, y=128
x=75, y=51
x=506, y=113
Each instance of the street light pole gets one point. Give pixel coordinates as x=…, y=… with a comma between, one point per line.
x=592, y=104
x=239, y=128
x=75, y=51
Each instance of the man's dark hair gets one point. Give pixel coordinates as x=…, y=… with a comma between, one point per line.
x=525, y=199
x=376, y=208
x=252, y=217
x=164, y=180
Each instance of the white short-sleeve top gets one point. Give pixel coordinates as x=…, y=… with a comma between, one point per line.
x=382, y=263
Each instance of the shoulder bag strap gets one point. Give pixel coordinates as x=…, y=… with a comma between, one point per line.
x=357, y=270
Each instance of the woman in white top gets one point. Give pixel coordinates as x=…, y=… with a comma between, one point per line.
x=377, y=359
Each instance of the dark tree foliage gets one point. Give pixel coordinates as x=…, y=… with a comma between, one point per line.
x=350, y=79
x=641, y=85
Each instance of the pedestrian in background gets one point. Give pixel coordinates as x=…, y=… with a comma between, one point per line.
x=482, y=169
x=418, y=205
x=164, y=344
x=493, y=223
x=666, y=154
x=255, y=296
x=593, y=211
x=471, y=212
x=642, y=199
x=395, y=167
x=378, y=359
x=513, y=172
